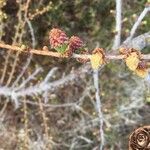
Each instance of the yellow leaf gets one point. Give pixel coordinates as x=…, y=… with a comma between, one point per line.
x=132, y=61
x=96, y=60
x=141, y=72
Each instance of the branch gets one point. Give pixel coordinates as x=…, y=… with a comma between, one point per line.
x=138, y=43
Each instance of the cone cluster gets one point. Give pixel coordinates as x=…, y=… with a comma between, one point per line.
x=62, y=43
x=67, y=46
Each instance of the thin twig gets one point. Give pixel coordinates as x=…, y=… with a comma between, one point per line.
x=55, y=54
x=117, y=40
x=138, y=22
x=99, y=107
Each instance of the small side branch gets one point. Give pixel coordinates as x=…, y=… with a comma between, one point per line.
x=138, y=22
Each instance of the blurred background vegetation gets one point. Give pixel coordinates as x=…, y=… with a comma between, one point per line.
x=125, y=97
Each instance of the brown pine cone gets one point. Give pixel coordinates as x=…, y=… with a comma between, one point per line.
x=140, y=139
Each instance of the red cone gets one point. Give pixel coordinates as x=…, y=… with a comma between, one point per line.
x=75, y=43
x=57, y=38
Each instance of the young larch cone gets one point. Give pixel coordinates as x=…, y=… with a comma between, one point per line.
x=57, y=38
x=75, y=43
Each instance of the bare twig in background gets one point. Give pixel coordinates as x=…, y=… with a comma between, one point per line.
x=22, y=91
x=26, y=121
x=117, y=39
x=139, y=42
x=23, y=71
x=99, y=107
x=138, y=22
x=33, y=46
x=31, y=32
x=41, y=12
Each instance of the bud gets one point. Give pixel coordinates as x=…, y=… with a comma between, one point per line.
x=45, y=48
x=23, y=47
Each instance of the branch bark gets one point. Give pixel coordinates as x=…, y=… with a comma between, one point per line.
x=51, y=53
x=138, y=43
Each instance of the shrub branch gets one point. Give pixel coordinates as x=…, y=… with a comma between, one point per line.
x=56, y=54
